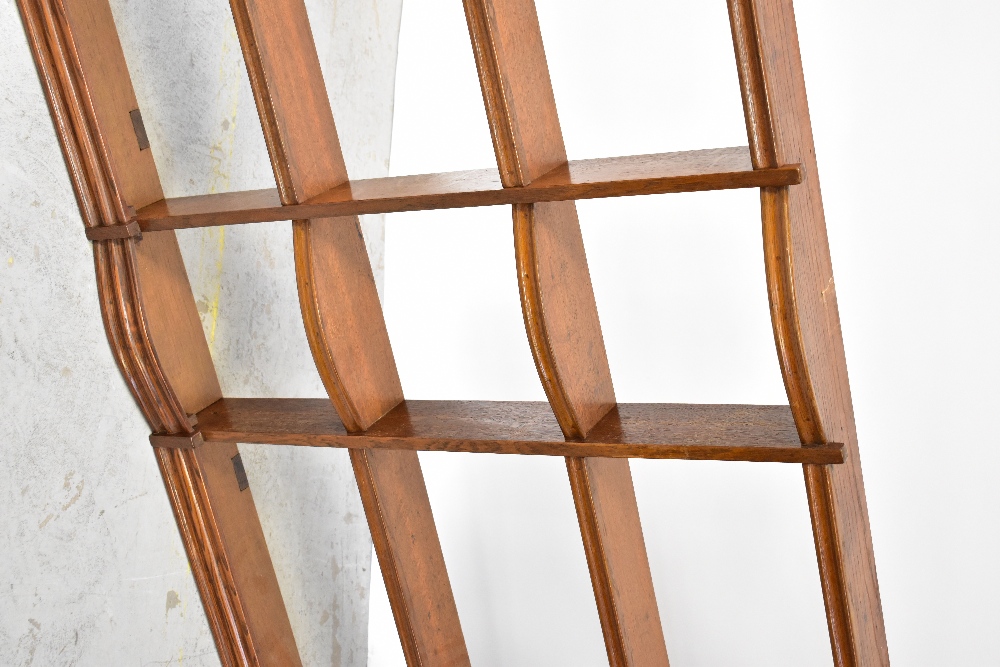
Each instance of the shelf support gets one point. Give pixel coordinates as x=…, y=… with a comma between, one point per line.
x=345, y=325
x=560, y=317
x=806, y=324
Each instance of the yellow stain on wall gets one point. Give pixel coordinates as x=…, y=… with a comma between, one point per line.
x=217, y=293
x=213, y=240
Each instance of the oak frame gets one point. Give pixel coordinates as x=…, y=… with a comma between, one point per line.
x=155, y=334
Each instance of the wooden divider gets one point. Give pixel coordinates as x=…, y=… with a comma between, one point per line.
x=807, y=324
x=560, y=316
x=152, y=324
x=345, y=325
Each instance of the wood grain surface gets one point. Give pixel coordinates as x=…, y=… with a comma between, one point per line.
x=807, y=324
x=560, y=317
x=151, y=322
x=631, y=430
x=105, y=232
x=605, y=507
x=249, y=565
x=409, y=552
x=156, y=337
x=688, y=171
x=173, y=321
x=557, y=298
x=339, y=302
x=344, y=323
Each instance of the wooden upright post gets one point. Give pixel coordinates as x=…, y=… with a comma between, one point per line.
x=345, y=325
x=560, y=317
x=806, y=324
x=153, y=325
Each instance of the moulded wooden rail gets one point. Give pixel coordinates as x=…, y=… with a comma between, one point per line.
x=688, y=171
x=633, y=430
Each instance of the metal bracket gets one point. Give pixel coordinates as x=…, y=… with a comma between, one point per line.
x=140, y=129
x=241, y=473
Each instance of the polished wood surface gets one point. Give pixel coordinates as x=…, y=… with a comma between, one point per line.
x=557, y=300
x=89, y=39
x=409, y=552
x=173, y=321
x=807, y=324
x=246, y=557
x=561, y=320
x=687, y=171
x=156, y=337
x=105, y=232
x=151, y=321
x=176, y=440
x=291, y=97
x=344, y=323
x=632, y=430
x=337, y=294
x=605, y=507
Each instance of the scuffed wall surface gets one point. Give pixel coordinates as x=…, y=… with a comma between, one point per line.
x=91, y=564
x=94, y=569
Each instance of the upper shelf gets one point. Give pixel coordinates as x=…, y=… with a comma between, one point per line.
x=689, y=171
x=632, y=430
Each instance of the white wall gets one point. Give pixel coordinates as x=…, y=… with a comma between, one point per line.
x=93, y=570
x=905, y=99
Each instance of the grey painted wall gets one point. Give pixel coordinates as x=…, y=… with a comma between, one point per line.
x=93, y=566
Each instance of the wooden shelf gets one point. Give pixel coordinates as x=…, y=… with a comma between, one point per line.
x=689, y=171
x=634, y=430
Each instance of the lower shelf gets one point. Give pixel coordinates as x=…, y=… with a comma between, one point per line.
x=632, y=430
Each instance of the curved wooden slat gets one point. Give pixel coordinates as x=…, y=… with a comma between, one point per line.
x=807, y=324
x=528, y=142
x=340, y=306
x=152, y=324
x=345, y=325
x=560, y=314
x=561, y=320
x=343, y=320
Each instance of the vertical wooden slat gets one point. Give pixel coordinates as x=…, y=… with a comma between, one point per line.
x=249, y=566
x=399, y=511
x=173, y=321
x=612, y=538
x=560, y=316
x=556, y=294
x=807, y=324
x=345, y=325
x=337, y=293
x=152, y=322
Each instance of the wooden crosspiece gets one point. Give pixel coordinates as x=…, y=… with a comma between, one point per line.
x=156, y=336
